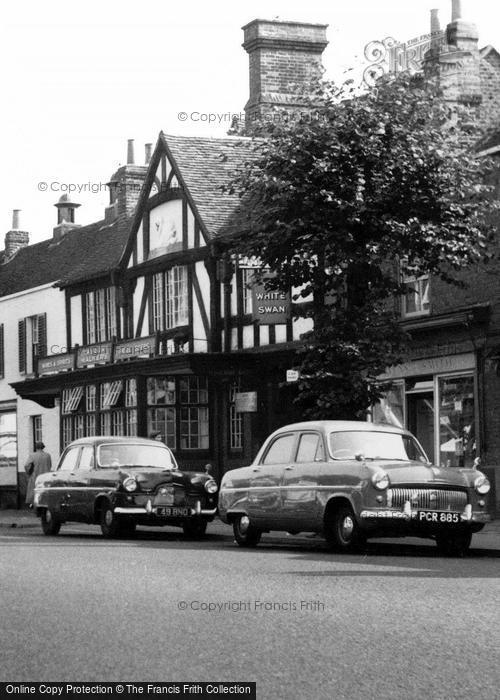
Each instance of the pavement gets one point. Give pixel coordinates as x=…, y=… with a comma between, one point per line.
x=488, y=538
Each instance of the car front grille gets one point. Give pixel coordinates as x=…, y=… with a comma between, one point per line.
x=428, y=499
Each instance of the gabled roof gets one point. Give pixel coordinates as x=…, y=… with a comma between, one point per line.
x=82, y=253
x=206, y=166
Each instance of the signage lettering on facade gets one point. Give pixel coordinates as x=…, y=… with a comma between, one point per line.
x=94, y=354
x=292, y=375
x=139, y=347
x=270, y=305
x=245, y=402
x=431, y=365
x=56, y=363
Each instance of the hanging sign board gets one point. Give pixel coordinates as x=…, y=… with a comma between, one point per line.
x=245, y=402
x=270, y=306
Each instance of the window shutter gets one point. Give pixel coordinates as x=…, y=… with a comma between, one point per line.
x=42, y=335
x=22, y=345
x=2, y=367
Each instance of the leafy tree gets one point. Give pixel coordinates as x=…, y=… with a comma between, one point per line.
x=344, y=201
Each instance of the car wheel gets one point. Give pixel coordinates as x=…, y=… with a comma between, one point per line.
x=342, y=532
x=194, y=527
x=453, y=544
x=110, y=525
x=50, y=523
x=246, y=535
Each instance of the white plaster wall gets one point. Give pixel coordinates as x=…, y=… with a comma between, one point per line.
x=51, y=301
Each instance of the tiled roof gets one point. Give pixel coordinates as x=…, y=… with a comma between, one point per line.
x=207, y=165
x=82, y=253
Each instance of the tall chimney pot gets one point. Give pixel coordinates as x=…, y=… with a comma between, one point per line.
x=130, y=152
x=16, y=219
x=456, y=10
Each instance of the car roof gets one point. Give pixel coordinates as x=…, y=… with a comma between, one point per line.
x=100, y=439
x=340, y=425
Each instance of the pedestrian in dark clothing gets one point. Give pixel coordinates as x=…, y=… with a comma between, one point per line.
x=37, y=463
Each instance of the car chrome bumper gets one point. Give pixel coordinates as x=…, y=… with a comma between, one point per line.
x=149, y=509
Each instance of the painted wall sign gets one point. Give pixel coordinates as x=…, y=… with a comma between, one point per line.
x=245, y=401
x=138, y=347
x=292, y=375
x=56, y=363
x=270, y=306
x=94, y=354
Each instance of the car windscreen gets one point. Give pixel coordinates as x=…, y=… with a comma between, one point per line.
x=118, y=454
x=375, y=445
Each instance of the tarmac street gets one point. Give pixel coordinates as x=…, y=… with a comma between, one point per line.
x=395, y=621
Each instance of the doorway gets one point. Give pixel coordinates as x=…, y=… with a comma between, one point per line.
x=420, y=414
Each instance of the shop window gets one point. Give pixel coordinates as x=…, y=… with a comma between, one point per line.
x=390, y=408
x=457, y=440
x=235, y=420
x=178, y=410
x=71, y=399
x=416, y=299
x=109, y=408
x=8, y=447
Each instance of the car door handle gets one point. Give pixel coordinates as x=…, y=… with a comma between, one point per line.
x=256, y=469
x=287, y=469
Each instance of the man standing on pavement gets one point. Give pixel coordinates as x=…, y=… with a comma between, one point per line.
x=38, y=463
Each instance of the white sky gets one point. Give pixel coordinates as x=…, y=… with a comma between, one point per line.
x=80, y=78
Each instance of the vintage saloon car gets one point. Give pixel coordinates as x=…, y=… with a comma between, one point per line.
x=352, y=480
x=121, y=482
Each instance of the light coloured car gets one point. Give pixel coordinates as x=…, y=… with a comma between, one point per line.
x=351, y=480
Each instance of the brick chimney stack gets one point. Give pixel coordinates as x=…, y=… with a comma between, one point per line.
x=125, y=188
x=15, y=239
x=456, y=63
x=284, y=58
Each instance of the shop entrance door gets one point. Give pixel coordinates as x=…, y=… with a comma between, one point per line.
x=420, y=412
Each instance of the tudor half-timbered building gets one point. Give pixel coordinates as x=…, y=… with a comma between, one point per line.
x=173, y=337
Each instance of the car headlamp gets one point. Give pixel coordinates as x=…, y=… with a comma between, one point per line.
x=482, y=484
x=211, y=486
x=130, y=484
x=380, y=480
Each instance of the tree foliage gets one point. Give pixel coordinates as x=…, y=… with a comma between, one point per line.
x=343, y=202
